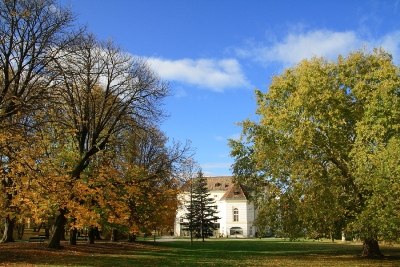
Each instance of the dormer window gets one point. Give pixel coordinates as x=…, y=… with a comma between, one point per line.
x=236, y=193
x=217, y=185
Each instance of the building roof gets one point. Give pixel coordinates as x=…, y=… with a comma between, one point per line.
x=235, y=192
x=219, y=183
x=224, y=183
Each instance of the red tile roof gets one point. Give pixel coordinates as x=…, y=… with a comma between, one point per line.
x=224, y=183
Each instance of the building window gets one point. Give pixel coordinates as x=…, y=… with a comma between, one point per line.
x=181, y=220
x=236, y=231
x=235, y=215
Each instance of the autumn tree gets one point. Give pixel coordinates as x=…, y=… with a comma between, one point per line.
x=147, y=184
x=100, y=89
x=32, y=33
x=13, y=164
x=328, y=139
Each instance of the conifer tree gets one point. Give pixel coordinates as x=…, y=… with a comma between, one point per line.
x=202, y=210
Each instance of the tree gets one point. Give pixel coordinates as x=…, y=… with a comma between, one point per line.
x=201, y=209
x=32, y=34
x=327, y=138
x=154, y=204
x=100, y=91
x=187, y=175
x=137, y=182
x=376, y=152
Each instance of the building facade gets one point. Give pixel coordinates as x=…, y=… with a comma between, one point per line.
x=234, y=209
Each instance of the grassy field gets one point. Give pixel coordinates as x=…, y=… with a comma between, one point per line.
x=268, y=252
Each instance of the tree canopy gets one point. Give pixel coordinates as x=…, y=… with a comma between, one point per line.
x=80, y=145
x=326, y=147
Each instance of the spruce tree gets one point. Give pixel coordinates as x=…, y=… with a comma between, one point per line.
x=202, y=209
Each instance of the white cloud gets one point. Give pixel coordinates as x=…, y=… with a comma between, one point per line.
x=391, y=43
x=215, y=75
x=295, y=47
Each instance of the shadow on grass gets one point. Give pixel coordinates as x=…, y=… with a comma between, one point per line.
x=210, y=253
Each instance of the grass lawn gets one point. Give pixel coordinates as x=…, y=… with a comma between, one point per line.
x=266, y=252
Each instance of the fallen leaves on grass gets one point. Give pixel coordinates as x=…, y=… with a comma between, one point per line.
x=23, y=253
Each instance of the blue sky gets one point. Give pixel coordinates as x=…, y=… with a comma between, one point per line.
x=214, y=53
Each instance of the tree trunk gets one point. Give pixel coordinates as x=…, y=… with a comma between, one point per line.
x=91, y=235
x=40, y=227
x=97, y=233
x=72, y=236
x=131, y=238
x=47, y=232
x=20, y=230
x=55, y=241
x=114, y=235
x=371, y=248
x=202, y=228
x=63, y=234
x=8, y=230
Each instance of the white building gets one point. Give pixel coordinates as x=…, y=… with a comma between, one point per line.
x=236, y=212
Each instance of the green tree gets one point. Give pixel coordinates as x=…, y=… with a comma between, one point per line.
x=201, y=208
x=328, y=139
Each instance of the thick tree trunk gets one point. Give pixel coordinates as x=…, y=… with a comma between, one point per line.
x=92, y=235
x=55, y=241
x=8, y=230
x=371, y=248
x=72, y=236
